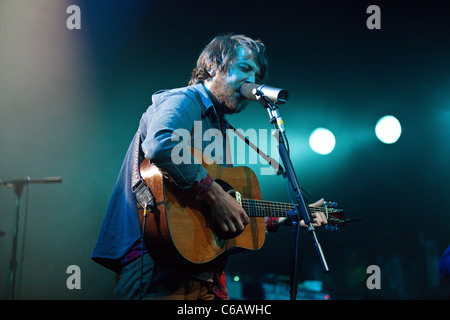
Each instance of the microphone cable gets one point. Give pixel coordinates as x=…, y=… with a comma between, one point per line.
x=141, y=276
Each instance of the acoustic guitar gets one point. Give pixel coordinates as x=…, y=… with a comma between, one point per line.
x=180, y=225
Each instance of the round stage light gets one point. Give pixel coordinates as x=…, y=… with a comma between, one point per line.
x=388, y=129
x=322, y=141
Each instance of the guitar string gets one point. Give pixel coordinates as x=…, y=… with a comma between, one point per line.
x=266, y=208
x=262, y=208
x=262, y=204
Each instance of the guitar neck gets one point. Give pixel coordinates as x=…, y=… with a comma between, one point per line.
x=262, y=208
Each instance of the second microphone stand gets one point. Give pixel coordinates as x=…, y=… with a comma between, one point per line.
x=18, y=185
x=289, y=174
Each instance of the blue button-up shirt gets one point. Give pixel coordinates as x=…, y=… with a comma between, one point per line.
x=173, y=113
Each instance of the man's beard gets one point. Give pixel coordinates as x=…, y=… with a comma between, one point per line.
x=227, y=96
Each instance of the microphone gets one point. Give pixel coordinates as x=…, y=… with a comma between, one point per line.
x=252, y=90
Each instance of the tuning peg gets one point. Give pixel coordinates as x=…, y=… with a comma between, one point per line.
x=330, y=204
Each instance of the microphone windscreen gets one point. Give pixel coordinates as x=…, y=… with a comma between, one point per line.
x=247, y=90
x=252, y=90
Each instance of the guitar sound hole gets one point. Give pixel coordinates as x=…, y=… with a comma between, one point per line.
x=225, y=186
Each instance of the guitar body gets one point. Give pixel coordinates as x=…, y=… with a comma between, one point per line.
x=180, y=229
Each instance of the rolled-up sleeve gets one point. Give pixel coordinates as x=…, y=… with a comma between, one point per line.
x=169, y=114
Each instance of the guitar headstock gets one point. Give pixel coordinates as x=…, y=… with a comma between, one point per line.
x=335, y=216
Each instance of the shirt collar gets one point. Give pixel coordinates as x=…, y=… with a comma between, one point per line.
x=206, y=100
x=209, y=105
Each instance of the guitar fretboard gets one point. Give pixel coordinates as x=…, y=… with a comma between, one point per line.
x=262, y=208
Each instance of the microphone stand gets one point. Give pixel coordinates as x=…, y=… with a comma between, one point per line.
x=289, y=174
x=18, y=185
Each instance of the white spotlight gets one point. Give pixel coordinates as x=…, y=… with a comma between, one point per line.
x=322, y=141
x=388, y=129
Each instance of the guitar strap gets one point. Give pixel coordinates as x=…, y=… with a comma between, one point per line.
x=271, y=161
x=143, y=193
x=135, y=177
x=145, y=198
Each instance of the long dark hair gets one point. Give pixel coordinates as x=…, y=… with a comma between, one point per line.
x=220, y=53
